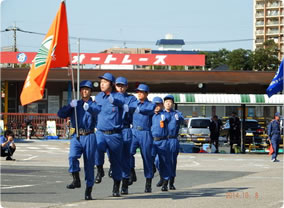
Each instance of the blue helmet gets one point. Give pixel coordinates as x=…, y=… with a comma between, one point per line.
x=277, y=114
x=143, y=87
x=121, y=80
x=86, y=83
x=108, y=76
x=169, y=97
x=157, y=100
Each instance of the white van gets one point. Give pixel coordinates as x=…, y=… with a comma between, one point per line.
x=198, y=130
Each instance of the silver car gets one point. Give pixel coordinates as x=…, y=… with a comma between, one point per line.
x=197, y=130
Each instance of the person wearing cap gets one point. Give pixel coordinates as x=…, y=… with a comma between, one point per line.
x=109, y=128
x=274, y=136
x=142, y=120
x=176, y=119
x=85, y=142
x=234, y=131
x=121, y=86
x=159, y=130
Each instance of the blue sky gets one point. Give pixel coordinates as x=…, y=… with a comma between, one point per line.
x=146, y=20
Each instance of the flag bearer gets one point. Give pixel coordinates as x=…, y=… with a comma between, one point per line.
x=85, y=142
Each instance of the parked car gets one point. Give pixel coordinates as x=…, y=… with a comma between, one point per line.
x=253, y=132
x=195, y=130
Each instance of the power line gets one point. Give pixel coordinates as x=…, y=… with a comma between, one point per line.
x=137, y=42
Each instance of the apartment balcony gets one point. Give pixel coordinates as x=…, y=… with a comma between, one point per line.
x=273, y=5
x=273, y=13
x=272, y=32
x=259, y=41
x=259, y=14
x=259, y=6
x=259, y=32
x=272, y=23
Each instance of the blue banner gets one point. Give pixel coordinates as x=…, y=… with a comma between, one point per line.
x=276, y=84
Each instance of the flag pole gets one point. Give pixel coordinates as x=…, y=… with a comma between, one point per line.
x=78, y=68
x=73, y=85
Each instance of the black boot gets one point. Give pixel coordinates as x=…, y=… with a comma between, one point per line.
x=115, y=190
x=110, y=172
x=154, y=168
x=148, y=188
x=124, y=187
x=160, y=183
x=172, y=181
x=165, y=185
x=88, y=193
x=76, y=183
x=100, y=174
x=133, y=177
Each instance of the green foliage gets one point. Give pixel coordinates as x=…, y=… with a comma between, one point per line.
x=240, y=59
x=216, y=58
x=264, y=58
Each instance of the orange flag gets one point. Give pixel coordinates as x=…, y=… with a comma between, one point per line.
x=53, y=53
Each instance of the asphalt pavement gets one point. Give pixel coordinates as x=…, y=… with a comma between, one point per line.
x=39, y=176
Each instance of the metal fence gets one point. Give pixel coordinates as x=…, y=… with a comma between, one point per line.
x=18, y=123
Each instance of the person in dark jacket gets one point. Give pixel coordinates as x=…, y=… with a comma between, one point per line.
x=274, y=135
x=234, y=131
x=215, y=128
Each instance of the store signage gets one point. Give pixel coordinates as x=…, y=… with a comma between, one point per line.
x=114, y=59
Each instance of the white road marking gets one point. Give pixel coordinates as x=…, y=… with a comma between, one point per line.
x=22, y=186
x=192, y=164
x=53, y=148
x=30, y=158
x=19, y=175
x=34, y=148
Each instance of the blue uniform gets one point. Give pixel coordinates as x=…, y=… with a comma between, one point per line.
x=127, y=137
x=7, y=150
x=3, y=140
x=86, y=144
x=273, y=131
x=142, y=121
x=160, y=143
x=173, y=129
x=109, y=131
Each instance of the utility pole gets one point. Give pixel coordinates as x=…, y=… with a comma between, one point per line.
x=15, y=37
x=14, y=29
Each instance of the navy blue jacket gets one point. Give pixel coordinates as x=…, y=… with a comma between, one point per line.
x=86, y=119
x=110, y=116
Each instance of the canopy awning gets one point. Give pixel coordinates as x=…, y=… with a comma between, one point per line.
x=224, y=99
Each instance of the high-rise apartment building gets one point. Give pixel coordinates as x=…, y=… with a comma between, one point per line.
x=269, y=23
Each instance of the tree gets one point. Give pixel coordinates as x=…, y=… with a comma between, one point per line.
x=240, y=59
x=216, y=58
x=265, y=58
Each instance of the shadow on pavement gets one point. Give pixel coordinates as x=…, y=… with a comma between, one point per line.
x=201, y=192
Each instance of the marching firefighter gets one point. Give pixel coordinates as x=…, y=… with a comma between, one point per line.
x=142, y=121
x=159, y=130
x=109, y=128
x=85, y=142
x=173, y=129
x=121, y=86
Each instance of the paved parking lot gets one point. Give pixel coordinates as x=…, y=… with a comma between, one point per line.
x=39, y=176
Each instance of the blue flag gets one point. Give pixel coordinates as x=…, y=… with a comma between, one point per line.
x=276, y=84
